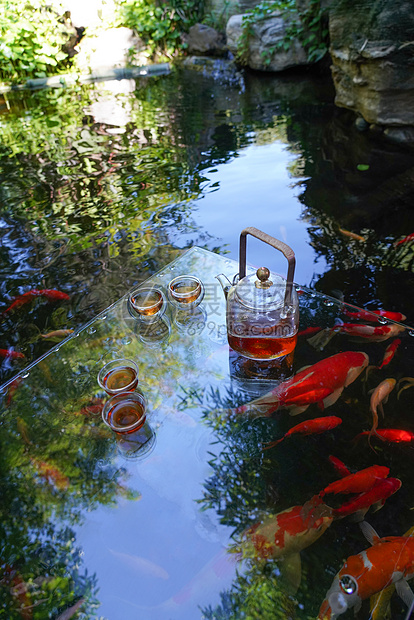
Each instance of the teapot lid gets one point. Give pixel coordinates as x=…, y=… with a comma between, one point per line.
x=258, y=292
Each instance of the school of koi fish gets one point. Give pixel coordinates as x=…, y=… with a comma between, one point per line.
x=50, y=295
x=388, y=564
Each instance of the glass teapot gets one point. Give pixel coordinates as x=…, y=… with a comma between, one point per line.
x=262, y=312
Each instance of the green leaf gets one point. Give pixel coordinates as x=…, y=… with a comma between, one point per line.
x=363, y=167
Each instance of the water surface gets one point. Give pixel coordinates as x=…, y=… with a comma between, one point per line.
x=103, y=185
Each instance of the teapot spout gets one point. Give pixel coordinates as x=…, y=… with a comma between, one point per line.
x=225, y=283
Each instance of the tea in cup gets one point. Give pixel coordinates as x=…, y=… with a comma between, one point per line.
x=147, y=302
x=125, y=413
x=120, y=375
x=186, y=291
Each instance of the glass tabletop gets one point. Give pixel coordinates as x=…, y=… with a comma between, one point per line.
x=156, y=523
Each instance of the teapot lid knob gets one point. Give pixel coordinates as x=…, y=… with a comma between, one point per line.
x=263, y=274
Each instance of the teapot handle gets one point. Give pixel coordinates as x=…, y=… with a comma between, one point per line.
x=275, y=243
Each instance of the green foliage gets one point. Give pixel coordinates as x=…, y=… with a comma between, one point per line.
x=160, y=25
x=309, y=28
x=312, y=31
x=218, y=19
x=262, y=11
x=256, y=595
x=31, y=39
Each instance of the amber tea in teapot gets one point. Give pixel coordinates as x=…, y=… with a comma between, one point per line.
x=262, y=309
x=264, y=346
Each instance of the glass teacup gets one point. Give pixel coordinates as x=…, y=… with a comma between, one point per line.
x=146, y=302
x=186, y=291
x=125, y=413
x=120, y=375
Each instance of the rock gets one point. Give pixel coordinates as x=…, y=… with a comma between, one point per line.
x=371, y=46
x=400, y=135
x=110, y=48
x=202, y=39
x=267, y=33
x=361, y=124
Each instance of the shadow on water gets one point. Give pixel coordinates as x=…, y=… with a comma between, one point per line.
x=100, y=187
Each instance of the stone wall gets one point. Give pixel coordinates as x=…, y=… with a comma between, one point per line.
x=372, y=51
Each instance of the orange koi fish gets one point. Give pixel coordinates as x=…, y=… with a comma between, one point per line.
x=380, y=602
x=10, y=353
x=366, y=315
x=369, y=332
x=51, y=474
x=376, y=495
x=23, y=430
x=12, y=388
x=380, y=395
x=389, y=353
x=394, y=435
x=310, y=427
x=340, y=467
x=351, y=235
x=321, y=383
x=388, y=356
x=409, y=382
x=390, y=560
x=406, y=239
x=49, y=293
x=309, y=330
x=94, y=407
x=58, y=333
x=359, y=482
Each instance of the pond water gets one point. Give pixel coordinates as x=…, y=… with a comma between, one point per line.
x=102, y=185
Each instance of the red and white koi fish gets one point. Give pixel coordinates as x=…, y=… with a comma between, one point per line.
x=321, y=383
x=376, y=495
x=359, y=482
x=406, y=239
x=378, y=397
x=285, y=533
x=390, y=560
x=310, y=427
x=11, y=354
x=366, y=315
x=370, y=332
x=49, y=293
x=393, y=435
x=389, y=353
x=340, y=467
